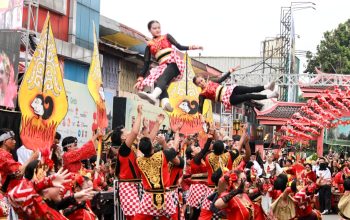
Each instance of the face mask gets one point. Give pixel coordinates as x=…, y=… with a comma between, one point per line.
x=323, y=166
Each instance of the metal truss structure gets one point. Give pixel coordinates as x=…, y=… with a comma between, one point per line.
x=32, y=21
x=285, y=80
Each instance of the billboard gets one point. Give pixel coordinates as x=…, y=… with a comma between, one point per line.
x=339, y=135
x=80, y=120
x=11, y=12
x=9, y=58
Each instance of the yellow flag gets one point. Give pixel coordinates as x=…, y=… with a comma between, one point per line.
x=186, y=106
x=95, y=86
x=42, y=96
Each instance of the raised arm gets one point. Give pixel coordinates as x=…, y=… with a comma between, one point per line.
x=181, y=47
x=135, y=129
x=243, y=137
x=201, y=100
x=197, y=159
x=247, y=150
x=154, y=132
x=226, y=75
x=222, y=78
x=176, y=44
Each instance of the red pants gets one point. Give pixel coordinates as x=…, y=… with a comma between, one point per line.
x=129, y=217
x=205, y=215
x=175, y=216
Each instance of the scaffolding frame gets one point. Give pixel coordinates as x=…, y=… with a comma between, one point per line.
x=32, y=17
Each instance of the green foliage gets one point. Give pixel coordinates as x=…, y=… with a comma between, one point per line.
x=333, y=52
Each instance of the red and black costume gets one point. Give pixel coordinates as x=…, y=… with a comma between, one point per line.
x=171, y=66
x=240, y=207
x=303, y=200
x=28, y=204
x=228, y=95
x=157, y=199
x=198, y=189
x=9, y=171
x=176, y=172
x=72, y=159
x=308, y=176
x=129, y=181
x=213, y=163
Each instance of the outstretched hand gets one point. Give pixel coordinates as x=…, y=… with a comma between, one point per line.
x=137, y=85
x=160, y=118
x=85, y=194
x=96, y=136
x=61, y=178
x=233, y=69
x=196, y=47
x=178, y=126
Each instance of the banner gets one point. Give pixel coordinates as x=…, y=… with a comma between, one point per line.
x=186, y=106
x=95, y=86
x=9, y=57
x=80, y=116
x=11, y=12
x=79, y=121
x=42, y=96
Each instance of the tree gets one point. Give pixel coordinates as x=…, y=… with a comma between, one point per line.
x=333, y=52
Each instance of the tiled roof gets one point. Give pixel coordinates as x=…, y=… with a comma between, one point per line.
x=283, y=112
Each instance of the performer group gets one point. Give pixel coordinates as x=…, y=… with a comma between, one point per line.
x=205, y=175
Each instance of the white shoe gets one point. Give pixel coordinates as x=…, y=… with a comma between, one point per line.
x=325, y=212
x=272, y=95
x=270, y=86
x=147, y=96
x=166, y=105
x=151, y=98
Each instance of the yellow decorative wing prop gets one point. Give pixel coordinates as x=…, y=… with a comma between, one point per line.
x=95, y=86
x=42, y=96
x=186, y=106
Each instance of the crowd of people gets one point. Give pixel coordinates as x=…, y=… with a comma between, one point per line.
x=201, y=176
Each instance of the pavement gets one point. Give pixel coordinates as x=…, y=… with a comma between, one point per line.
x=330, y=217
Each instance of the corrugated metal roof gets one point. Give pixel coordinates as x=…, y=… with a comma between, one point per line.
x=248, y=64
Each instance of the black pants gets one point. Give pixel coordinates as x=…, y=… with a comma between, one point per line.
x=195, y=214
x=242, y=94
x=170, y=72
x=324, y=197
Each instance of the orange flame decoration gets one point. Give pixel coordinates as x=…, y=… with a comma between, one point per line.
x=42, y=96
x=186, y=106
x=37, y=134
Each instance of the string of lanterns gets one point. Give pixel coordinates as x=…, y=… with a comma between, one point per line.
x=321, y=112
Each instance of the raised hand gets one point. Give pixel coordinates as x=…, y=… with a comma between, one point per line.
x=35, y=155
x=196, y=47
x=61, y=177
x=97, y=135
x=138, y=83
x=178, y=126
x=161, y=139
x=160, y=118
x=233, y=69
x=85, y=194
x=139, y=109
